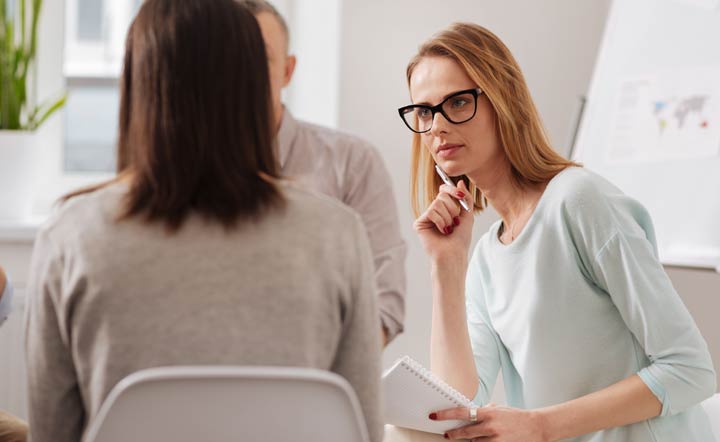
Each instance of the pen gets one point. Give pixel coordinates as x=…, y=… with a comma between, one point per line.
x=446, y=180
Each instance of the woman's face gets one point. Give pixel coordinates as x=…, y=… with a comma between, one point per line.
x=469, y=148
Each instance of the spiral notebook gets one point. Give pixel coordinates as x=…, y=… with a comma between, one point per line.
x=411, y=392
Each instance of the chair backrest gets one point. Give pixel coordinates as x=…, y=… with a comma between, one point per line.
x=712, y=408
x=225, y=404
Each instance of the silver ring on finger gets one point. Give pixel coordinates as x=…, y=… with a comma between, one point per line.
x=473, y=413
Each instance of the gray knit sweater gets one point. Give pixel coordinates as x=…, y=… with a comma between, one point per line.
x=109, y=298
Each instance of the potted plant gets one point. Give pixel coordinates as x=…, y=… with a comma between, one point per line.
x=20, y=115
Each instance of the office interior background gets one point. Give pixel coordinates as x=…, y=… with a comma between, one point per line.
x=351, y=75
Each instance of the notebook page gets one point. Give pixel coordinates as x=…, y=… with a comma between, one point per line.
x=412, y=392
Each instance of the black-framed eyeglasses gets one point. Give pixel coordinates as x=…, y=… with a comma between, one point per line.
x=458, y=108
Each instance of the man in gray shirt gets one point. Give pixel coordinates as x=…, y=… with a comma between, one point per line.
x=341, y=166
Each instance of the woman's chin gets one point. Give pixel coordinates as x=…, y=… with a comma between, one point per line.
x=452, y=168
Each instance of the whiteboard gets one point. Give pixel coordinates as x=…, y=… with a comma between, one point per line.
x=651, y=123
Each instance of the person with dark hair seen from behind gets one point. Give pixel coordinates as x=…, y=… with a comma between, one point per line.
x=341, y=166
x=12, y=429
x=197, y=253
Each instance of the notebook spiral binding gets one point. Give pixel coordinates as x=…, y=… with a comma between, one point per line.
x=436, y=383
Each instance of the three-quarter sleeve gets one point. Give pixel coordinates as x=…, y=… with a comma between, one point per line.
x=484, y=341
x=358, y=354
x=56, y=411
x=680, y=373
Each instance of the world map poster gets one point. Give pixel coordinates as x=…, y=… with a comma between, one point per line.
x=671, y=115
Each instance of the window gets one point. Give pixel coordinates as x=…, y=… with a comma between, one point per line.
x=94, y=44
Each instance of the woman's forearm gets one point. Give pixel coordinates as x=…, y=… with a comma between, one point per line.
x=626, y=402
x=451, y=356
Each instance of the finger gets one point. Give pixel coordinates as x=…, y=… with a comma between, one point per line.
x=459, y=413
x=431, y=220
x=480, y=431
x=443, y=206
x=462, y=188
x=436, y=218
x=455, y=192
x=463, y=413
x=451, y=205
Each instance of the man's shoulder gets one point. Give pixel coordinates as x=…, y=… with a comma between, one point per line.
x=316, y=207
x=332, y=138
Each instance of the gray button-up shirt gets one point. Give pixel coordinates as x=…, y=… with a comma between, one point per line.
x=351, y=170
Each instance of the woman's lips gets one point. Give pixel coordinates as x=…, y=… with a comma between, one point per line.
x=447, y=150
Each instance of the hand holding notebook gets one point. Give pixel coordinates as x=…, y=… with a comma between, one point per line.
x=412, y=392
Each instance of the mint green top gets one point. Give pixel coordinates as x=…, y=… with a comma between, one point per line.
x=578, y=302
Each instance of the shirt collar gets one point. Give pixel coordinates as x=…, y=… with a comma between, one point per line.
x=286, y=136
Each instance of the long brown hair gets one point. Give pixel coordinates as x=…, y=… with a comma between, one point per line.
x=195, y=129
x=491, y=65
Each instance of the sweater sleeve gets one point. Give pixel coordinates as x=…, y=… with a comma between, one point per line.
x=56, y=411
x=680, y=373
x=483, y=339
x=358, y=354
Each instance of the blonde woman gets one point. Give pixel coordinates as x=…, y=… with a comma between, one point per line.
x=565, y=294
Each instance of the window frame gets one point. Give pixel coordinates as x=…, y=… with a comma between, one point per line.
x=103, y=70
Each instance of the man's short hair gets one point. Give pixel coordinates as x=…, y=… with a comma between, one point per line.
x=258, y=6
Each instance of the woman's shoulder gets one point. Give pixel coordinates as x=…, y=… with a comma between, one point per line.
x=581, y=193
x=591, y=206
x=78, y=214
x=578, y=184
x=92, y=210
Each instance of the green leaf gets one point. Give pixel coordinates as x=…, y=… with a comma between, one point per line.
x=17, y=56
x=44, y=115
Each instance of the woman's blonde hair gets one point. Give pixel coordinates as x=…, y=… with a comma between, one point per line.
x=489, y=63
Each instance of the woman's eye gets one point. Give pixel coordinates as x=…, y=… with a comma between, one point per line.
x=459, y=102
x=424, y=113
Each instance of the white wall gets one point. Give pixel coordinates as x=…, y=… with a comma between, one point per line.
x=314, y=37
x=50, y=84
x=700, y=290
x=51, y=32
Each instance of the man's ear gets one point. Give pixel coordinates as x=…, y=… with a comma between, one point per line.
x=290, y=63
x=3, y=280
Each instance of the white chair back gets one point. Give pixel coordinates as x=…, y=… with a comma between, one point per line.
x=712, y=408
x=224, y=404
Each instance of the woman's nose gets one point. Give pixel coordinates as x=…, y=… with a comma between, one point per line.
x=440, y=124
